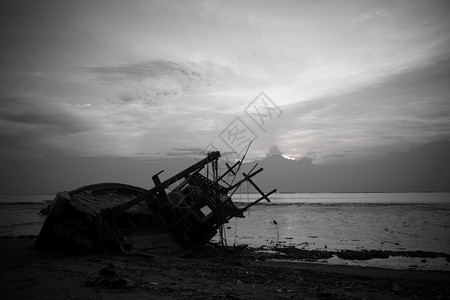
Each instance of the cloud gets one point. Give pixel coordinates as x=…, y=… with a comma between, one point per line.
x=173, y=85
x=176, y=75
x=144, y=70
x=79, y=104
x=184, y=152
x=32, y=126
x=375, y=14
x=34, y=112
x=273, y=150
x=404, y=110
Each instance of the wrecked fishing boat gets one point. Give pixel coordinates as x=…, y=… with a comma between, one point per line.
x=182, y=212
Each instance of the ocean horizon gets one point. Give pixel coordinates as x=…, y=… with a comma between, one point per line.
x=297, y=197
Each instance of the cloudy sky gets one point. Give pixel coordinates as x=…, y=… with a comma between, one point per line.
x=341, y=79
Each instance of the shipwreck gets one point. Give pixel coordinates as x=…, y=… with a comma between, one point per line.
x=183, y=212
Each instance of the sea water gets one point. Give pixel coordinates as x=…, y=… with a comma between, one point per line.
x=332, y=222
x=350, y=221
x=19, y=214
x=355, y=221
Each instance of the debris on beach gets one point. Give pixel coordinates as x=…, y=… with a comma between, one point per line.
x=176, y=215
x=107, y=277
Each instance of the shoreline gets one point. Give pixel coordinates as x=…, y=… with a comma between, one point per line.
x=385, y=259
x=206, y=274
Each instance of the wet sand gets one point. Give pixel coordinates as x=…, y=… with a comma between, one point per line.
x=211, y=273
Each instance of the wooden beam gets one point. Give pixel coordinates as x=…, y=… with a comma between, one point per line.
x=247, y=177
x=264, y=196
x=258, y=189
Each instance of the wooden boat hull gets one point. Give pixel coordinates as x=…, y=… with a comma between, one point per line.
x=74, y=222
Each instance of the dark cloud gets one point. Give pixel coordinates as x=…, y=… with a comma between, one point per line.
x=144, y=70
x=154, y=81
x=187, y=149
x=145, y=96
x=273, y=150
x=334, y=155
x=30, y=126
x=412, y=104
x=184, y=152
x=34, y=112
x=64, y=124
x=432, y=78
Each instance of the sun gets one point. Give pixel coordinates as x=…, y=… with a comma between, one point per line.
x=287, y=157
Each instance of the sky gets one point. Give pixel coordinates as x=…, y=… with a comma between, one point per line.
x=328, y=80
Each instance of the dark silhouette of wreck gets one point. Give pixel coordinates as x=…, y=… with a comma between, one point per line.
x=122, y=218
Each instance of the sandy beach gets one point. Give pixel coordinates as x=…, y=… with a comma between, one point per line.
x=210, y=273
